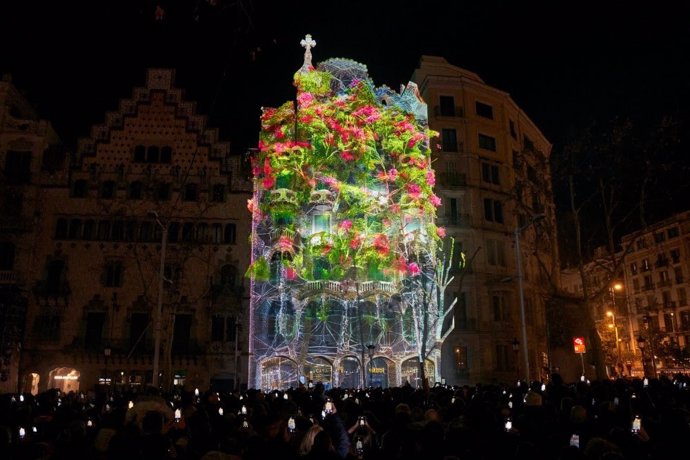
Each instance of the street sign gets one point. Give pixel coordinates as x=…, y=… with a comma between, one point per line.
x=579, y=344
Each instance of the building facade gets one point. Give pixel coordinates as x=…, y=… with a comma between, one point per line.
x=494, y=179
x=147, y=217
x=29, y=150
x=657, y=267
x=344, y=242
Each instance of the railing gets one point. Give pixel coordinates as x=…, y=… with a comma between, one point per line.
x=8, y=277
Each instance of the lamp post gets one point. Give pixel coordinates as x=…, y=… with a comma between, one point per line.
x=641, y=342
x=613, y=324
x=521, y=291
x=159, y=307
x=516, y=347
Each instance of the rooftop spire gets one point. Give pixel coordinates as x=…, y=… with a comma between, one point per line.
x=307, y=43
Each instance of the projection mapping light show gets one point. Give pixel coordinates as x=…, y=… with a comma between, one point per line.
x=348, y=269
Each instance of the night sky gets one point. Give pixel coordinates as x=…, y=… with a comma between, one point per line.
x=566, y=63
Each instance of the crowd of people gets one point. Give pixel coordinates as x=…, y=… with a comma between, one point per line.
x=607, y=420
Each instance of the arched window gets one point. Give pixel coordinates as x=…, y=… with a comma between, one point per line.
x=228, y=275
x=217, y=233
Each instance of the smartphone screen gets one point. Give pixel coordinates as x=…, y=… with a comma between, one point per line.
x=329, y=407
x=636, y=424
x=508, y=425
x=575, y=440
x=362, y=421
x=291, y=424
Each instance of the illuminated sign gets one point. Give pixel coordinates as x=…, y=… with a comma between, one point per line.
x=378, y=370
x=579, y=344
x=66, y=377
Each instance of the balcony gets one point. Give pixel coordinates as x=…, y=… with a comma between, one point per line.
x=322, y=199
x=45, y=290
x=283, y=198
x=8, y=277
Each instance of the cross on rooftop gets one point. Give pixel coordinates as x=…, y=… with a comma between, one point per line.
x=307, y=43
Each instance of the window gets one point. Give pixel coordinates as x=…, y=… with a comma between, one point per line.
x=495, y=253
x=633, y=268
x=648, y=284
x=447, y=106
x=529, y=145
x=163, y=191
x=641, y=243
x=493, y=210
x=449, y=140
x=166, y=154
x=173, y=232
x=675, y=256
x=191, y=192
x=484, y=110
x=88, y=232
x=112, y=276
x=490, y=174
x=152, y=154
x=672, y=232
x=460, y=359
x=17, y=167
x=487, y=142
x=79, y=188
x=678, y=274
x=188, y=232
x=172, y=272
x=61, y=229
x=321, y=223
x=47, y=327
x=74, y=229
x=218, y=194
x=500, y=308
x=223, y=328
x=139, y=154
x=230, y=234
x=636, y=285
x=55, y=277
x=94, y=329
x=7, y=252
x=217, y=233
x=108, y=190
x=503, y=358
x=182, y=333
x=513, y=132
x=659, y=237
x=138, y=328
x=452, y=211
x=117, y=232
x=135, y=191
x=682, y=297
x=645, y=265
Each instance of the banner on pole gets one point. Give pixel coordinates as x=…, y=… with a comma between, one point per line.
x=579, y=344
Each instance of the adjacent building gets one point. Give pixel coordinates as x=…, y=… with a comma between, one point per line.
x=494, y=179
x=148, y=215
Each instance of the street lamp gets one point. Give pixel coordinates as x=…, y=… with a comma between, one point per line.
x=516, y=347
x=613, y=324
x=159, y=308
x=518, y=262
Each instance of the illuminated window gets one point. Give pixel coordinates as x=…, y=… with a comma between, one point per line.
x=321, y=223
